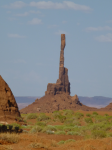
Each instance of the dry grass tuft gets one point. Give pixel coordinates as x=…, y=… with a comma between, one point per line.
x=5, y=147
x=38, y=145
x=10, y=138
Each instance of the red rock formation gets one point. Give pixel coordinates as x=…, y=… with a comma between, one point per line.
x=62, y=85
x=8, y=106
x=57, y=96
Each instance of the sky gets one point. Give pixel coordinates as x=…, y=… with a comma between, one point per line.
x=30, y=39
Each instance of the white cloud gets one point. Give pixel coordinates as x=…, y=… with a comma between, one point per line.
x=98, y=28
x=22, y=15
x=16, y=5
x=16, y=36
x=63, y=5
x=104, y=38
x=60, y=32
x=35, y=12
x=35, y=21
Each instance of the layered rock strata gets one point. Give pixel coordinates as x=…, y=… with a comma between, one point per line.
x=62, y=85
x=8, y=106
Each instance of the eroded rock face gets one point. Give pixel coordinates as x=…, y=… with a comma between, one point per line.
x=62, y=85
x=8, y=105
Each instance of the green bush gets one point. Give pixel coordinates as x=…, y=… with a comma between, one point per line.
x=43, y=124
x=106, y=115
x=49, y=132
x=68, y=112
x=76, y=123
x=60, y=133
x=59, y=127
x=70, y=140
x=69, y=121
x=36, y=129
x=88, y=120
x=88, y=115
x=31, y=116
x=50, y=128
x=56, y=114
x=71, y=133
x=79, y=115
x=61, y=142
x=43, y=117
x=95, y=113
x=99, y=134
x=67, y=128
x=15, y=125
x=62, y=118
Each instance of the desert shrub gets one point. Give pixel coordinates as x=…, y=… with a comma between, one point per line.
x=88, y=120
x=62, y=118
x=70, y=140
x=60, y=133
x=76, y=123
x=70, y=133
x=109, y=134
x=24, y=121
x=69, y=121
x=59, y=127
x=9, y=127
x=31, y=116
x=56, y=114
x=43, y=124
x=67, y=128
x=49, y=132
x=43, y=117
x=15, y=125
x=106, y=115
x=98, y=134
x=73, y=133
x=88, y=115
x=38, y=145
x=59, y=116
x=79, y=115
x=36, y=129
x=10, y=138
x=50, y=128
x=95, y=113
x=61, y=142
x=103, y=119
x=54, y=143
x=68, y=112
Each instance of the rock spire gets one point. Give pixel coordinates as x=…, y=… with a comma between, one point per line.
x=62, y=85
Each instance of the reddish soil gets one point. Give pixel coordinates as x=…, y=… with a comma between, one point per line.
x=49, y=142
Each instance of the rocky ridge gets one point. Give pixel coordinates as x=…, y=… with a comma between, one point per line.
x=8, y=106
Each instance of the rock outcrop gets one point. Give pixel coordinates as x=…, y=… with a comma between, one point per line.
x=57, y=96
x=62, y=85
x=8, y=106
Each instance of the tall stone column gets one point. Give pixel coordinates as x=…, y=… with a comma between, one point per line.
x=61, y=66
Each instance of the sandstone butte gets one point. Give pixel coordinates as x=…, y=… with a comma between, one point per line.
x=57, y=96
x=9, y=111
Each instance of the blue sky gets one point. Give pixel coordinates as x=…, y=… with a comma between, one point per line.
x=30, y=45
